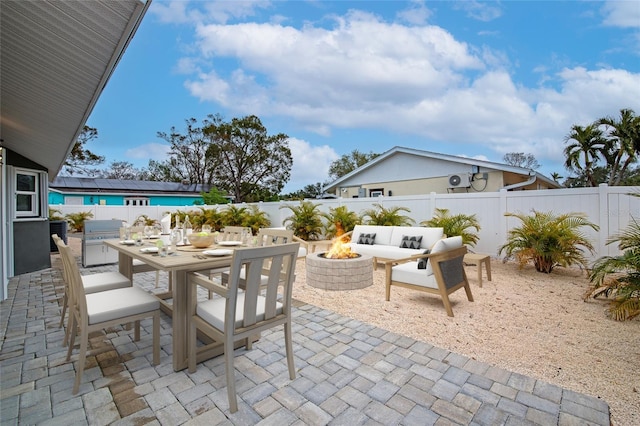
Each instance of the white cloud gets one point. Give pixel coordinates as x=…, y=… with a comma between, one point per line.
x=310, y=164
x=149, y=151
x=364, y=73
x=624, y=14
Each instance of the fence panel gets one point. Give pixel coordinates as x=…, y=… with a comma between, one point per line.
x=612, y=208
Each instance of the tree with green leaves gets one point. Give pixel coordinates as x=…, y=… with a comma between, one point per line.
x=187, y=157
x=349, y=162
x=214, y=197
x=520, y=159
x=305, y=220
x=623, y=143
x=122, y=170
x=455, y=225
x=245, y=160
x=380, y=215
x=549, y=240
x=81, y=161
x=585, y=145
x=618, y=277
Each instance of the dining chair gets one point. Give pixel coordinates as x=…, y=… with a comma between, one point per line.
x=229, y=233
x=239, y=315
x=92, y=283
x=98, y=311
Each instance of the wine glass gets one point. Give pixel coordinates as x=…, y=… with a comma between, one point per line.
x=148, y=231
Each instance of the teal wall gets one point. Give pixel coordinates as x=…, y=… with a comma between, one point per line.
x=118, y=200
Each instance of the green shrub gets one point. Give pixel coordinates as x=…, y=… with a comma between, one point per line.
x=618, y=277
x=549, y=240
x=339, y=218
x=306, y=220
x=379, y=215
x=76, y=220
x=455, y=225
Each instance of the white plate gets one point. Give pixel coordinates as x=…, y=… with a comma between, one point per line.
x=149, y=249
x=128, y=242
x=230, y=243
x=218, y=252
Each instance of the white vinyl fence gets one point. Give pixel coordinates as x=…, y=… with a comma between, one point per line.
x=611, y=208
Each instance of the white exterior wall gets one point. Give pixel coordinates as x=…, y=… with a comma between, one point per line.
x=609, y=207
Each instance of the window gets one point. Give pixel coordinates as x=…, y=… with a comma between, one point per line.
x=27, y=193
x=136, y=201
x=376, y=192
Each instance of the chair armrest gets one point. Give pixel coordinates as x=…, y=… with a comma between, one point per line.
x=301, y=241
x=201, y=280
x=408, y=259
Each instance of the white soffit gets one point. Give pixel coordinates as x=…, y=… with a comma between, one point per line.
x=56, y=58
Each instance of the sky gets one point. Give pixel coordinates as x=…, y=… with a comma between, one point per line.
x=468, y=78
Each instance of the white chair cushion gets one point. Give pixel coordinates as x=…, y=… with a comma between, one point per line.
x=212, y=311
x=302, y=252
x=119, y=303
x=445, y=244
x=409, y=273
x=103, y=281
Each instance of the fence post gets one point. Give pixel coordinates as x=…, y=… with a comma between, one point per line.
x=503, y=221
x=603, y=220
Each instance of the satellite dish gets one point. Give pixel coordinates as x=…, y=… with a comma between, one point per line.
x=454, y=180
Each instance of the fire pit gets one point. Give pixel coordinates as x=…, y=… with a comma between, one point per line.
x=339, y=274
x=339, y=269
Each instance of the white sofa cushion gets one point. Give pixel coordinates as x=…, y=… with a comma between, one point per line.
x=119, y=303
x=387, y=252
x=383, y=233
x=102, y=281
x=429, y=235
x=212, y=311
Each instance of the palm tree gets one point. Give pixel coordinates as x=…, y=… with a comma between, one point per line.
x=619, y=276
x=379, y=215
x=305, y=221
x=339, y=220
x=587, y=143
x=454, y=225
x=623, y=143
x=556, y=177
x=549, y=240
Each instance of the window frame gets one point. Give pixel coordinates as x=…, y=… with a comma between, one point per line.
x=35, y=195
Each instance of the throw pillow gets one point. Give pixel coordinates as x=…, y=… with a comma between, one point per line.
x=368, y=239
x=411, y=242
x=422, y=263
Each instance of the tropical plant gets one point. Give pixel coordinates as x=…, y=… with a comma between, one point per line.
x=76, y=220
x=212, y=218
x=55, y=214
x=584, y=149
x=234, y=215
x=305, y=221
x=144, y=220
x=623, y=141
x=257, y=219
x=214, y=197
x=380, y=215
x=454, y=225
x=619, y=276
x=339, y=220
x=549, y=240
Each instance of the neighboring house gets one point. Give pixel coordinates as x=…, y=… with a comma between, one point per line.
x=116, y=192
x=55, y=61
x=407, y=171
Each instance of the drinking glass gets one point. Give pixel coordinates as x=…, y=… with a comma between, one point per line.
x=175, y=236
x=148, y=231
x=206, y=228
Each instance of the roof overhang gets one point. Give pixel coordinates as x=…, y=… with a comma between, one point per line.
x=56, y=58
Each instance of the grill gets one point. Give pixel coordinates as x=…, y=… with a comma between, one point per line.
x=93, y=251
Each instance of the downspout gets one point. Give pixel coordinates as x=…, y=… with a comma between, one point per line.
x=532, y=179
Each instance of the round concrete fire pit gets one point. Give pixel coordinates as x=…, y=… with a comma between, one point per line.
x=339, y=274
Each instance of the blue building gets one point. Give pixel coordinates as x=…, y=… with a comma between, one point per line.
x=116, y=192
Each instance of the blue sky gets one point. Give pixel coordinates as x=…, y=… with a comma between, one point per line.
x=477, y=79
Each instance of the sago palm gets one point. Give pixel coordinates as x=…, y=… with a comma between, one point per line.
x=549, y=240
x=454, y=225
x=619, y=276
x=339, y=220
x=379, y=215
x=305, y=221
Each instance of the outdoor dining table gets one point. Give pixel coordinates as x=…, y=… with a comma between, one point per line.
x=178, y=264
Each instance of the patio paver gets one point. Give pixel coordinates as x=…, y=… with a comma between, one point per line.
x=347, y=372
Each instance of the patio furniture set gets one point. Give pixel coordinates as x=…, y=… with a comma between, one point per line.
x=252, y=287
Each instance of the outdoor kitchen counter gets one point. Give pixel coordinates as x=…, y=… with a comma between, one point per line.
x=178, y=265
